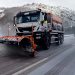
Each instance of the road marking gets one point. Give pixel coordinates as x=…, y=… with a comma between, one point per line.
x=42, y=70
x=47, y=66
x=23, y=70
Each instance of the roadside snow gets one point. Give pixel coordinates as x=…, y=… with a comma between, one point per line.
x=1, y=13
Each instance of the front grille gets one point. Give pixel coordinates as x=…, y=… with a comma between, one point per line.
x=21, y=29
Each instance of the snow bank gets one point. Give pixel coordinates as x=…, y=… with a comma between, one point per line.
x=1, y=13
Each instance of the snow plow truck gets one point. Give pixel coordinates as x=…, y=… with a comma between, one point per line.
x=36, y=28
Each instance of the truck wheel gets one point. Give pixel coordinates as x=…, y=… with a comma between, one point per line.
x=61, y=39
x=46, y=42
x=26, y=48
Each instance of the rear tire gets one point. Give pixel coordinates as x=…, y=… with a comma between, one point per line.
x=61, y=39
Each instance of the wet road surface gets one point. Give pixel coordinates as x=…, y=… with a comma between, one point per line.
x=58, y=60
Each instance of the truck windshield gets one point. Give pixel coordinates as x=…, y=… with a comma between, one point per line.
x=30, y=17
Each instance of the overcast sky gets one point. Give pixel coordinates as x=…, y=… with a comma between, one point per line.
x=64, y=3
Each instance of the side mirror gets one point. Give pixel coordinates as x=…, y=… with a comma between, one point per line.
x=14, y=21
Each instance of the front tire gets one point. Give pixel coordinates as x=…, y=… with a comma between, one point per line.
x=26, y=48
x=46, y=41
